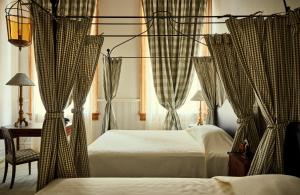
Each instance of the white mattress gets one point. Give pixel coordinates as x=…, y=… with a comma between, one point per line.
x=142, y=153
x=250, y=185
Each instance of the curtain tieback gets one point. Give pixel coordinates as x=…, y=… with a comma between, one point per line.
x=54, y=115
x=77, y=110
x=277, y=125
x=244, y=119
x=171, y=110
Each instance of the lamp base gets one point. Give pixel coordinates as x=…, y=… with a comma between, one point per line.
x=199, y=121
x=20, y=121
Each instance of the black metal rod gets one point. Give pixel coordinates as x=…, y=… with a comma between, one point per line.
x=165, y=17
x=148, y=57
x=176, y=35
x=138, y=23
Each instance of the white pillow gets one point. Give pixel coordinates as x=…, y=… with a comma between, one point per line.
x=214, y=138
x=263, y=184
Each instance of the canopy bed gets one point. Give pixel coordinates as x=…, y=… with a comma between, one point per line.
x=200, y=151
x=57, y=73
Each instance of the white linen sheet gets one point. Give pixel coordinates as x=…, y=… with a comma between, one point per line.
x=250, y=185
x=197, y=152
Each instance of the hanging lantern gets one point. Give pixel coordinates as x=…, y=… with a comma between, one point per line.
x=19, y=25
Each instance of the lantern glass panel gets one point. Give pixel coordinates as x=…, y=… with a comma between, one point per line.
x=19, y=30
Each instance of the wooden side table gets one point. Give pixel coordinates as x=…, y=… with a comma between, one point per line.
x=238, y=164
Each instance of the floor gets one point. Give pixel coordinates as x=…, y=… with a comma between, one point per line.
x=24, y=184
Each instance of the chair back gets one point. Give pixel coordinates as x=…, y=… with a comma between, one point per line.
x=9, y=143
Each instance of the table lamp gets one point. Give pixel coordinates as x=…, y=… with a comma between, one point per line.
x=199, y=97
x=20, y=79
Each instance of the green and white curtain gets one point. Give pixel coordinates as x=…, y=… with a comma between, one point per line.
x=88, y=63
x=207, y=77
x=172, y=72
x=57, y=73
x=111, y=76
x=238, y=89
x=268, y=50
x=71, y=7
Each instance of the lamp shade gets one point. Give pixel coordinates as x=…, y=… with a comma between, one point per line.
x=20, y=79
x=198, y=96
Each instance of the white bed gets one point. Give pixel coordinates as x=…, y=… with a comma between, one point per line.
x=200, y=151
x=250, y=185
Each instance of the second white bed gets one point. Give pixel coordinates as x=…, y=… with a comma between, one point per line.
x=197, y=152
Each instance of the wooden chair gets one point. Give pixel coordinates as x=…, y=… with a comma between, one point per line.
x=14, y=157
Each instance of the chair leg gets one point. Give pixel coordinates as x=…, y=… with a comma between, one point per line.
x=29, y=168
x=13, y=176
x=5, y=172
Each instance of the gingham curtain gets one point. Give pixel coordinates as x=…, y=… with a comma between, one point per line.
x=269, y=53
x=172, y=75
x=238, y=89
x=71, y=7
x=88, y=63
x=207, y=77
x=56, y=75
x=111, y=76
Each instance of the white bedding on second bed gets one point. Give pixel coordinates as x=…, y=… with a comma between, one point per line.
x=196, y=152
x=250, y=185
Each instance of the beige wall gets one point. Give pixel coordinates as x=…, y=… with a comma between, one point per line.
x=8, y=68
x=126, y=103
x=129, y=83
x=244, y=7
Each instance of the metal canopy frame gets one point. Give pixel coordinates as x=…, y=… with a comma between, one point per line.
x=56, y=17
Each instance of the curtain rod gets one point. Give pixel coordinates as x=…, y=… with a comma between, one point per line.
x=167, y=17
x=176, y=35
x=142, y=23
x=148, y=57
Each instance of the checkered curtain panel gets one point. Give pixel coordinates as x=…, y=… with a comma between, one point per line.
x=71, y=7
x=56, y=75
x=269, y=53
x=238, y=89
x=111, y=76
x=207, y=77
x=88, y=63
x=172, y=75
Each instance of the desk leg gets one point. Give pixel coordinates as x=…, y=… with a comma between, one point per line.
x=18, y=143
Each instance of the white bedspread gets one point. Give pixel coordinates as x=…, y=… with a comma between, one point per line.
x=133, y=153
x=250, y=185
x=197, y=152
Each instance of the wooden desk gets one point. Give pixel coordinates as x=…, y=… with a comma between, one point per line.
x=32, y=130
